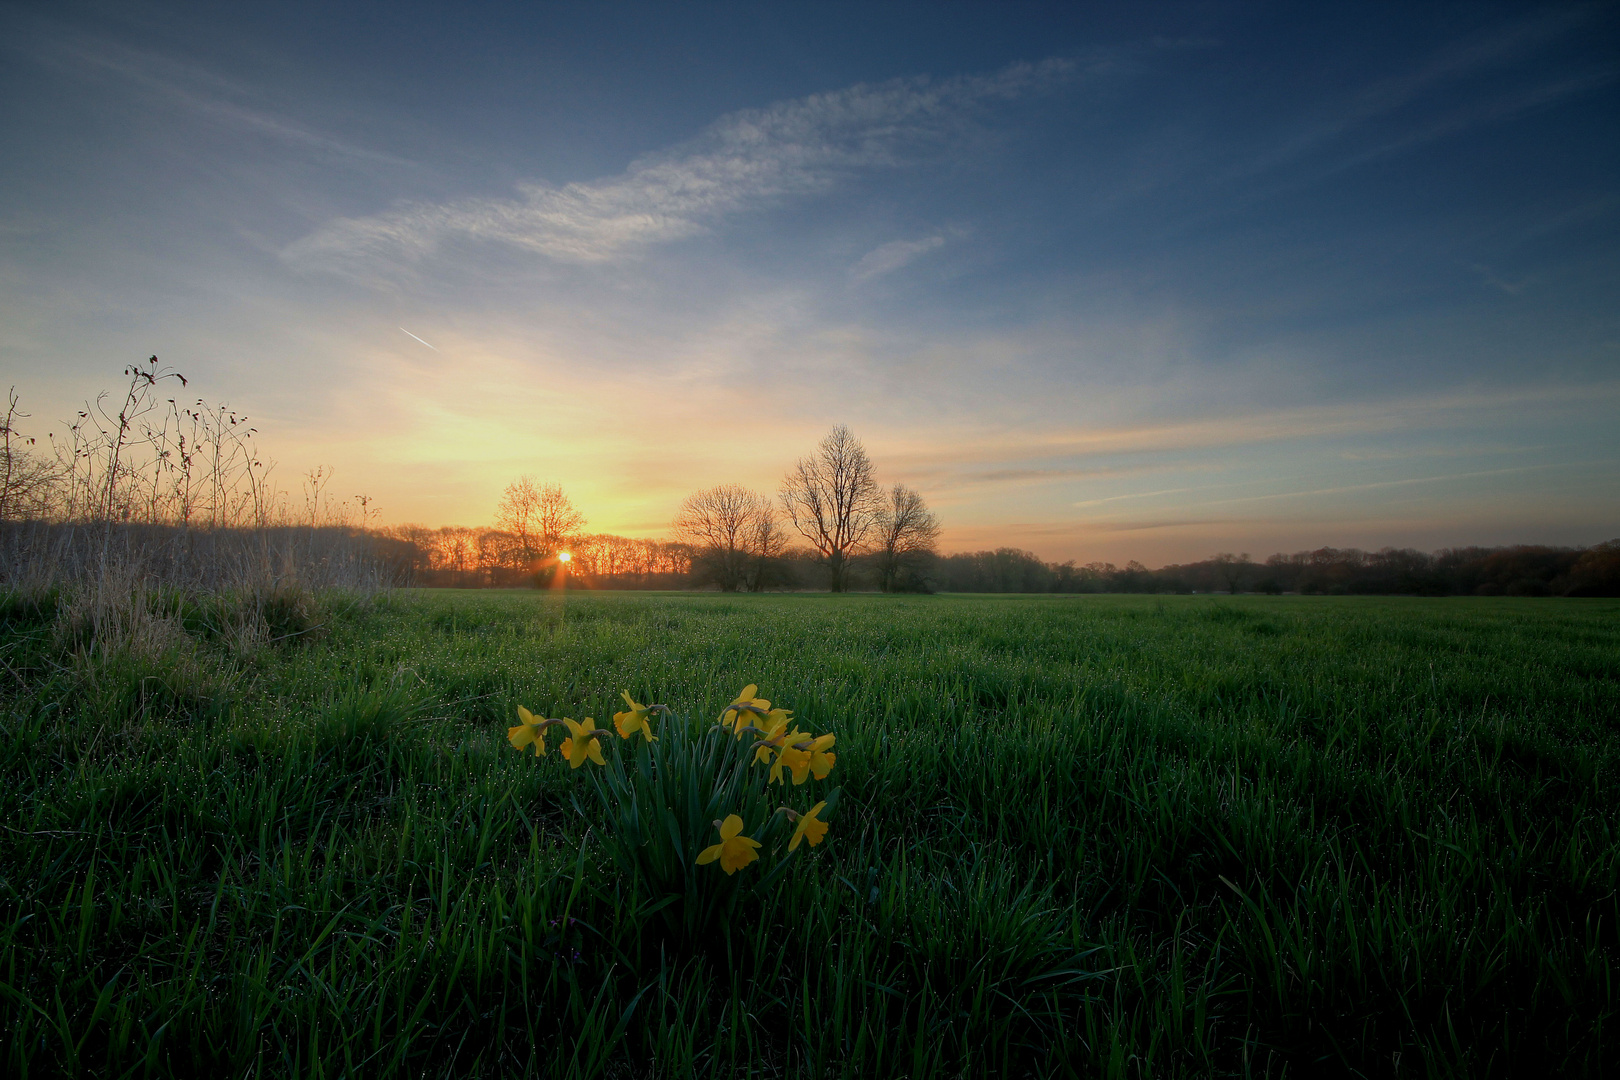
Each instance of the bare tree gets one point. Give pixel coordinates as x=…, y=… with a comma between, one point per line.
x=765, y=569
x=27, y=481
x=832, y=500
x=516, y=512
x=555, y=519
x=539, y=515
x=723, y=523
x=906, y=533
x=1232, y=569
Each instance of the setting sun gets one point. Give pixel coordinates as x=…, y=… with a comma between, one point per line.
x=563, y=556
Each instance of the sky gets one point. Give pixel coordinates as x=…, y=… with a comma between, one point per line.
x=1103, y=281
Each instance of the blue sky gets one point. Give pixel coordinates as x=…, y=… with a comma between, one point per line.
x=1102, y=284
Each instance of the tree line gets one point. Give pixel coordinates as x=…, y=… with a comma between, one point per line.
x=1518, y=570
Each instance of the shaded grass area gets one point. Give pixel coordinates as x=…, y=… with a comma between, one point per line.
x=1091, y=836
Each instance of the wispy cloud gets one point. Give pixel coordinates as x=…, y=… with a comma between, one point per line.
x=1504, y=107
x=1459, y=61
x=1408, y=481
x=1058, y=453
x=1134, y=495
x=892, y=256
x=1512, y=288
x=742, y=161
x=194, y=88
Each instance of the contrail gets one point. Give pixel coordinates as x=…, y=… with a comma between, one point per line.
x=407, y=333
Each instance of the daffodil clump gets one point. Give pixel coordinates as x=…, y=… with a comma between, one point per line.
x=686, y=795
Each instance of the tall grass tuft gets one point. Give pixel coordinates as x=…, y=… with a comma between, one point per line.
x=156, y=527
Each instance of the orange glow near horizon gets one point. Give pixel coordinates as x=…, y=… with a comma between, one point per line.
x=563, y=556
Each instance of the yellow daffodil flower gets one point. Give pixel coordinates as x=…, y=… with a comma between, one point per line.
x=637, y=719
x=821, y=758
x=810, y=828
x=770, y=743
x=794, y=757
x=733, y=851
x=740, y=713
x=580, y=744
x=530, y=732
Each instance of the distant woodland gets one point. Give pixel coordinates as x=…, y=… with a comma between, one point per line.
x=472, y=558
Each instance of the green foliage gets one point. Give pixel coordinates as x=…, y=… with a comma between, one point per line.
x=1099, y=836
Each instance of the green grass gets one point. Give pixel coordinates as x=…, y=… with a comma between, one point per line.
x=1090, y=836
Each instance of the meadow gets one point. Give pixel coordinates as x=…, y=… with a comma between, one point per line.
x=1077, y=836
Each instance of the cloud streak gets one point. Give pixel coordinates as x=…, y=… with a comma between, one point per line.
x=1460, y=61
x=194, y=88
x=408, y=334
x=893, y=255
x=743, y=161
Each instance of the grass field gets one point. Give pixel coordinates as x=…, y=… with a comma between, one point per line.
x=1093, y=836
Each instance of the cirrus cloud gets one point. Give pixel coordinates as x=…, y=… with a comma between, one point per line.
x=892, y=256
x=742, y=161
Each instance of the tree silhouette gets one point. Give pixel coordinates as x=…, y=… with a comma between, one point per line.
x=832, y=500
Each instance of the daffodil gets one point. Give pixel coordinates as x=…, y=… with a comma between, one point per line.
x=821, y=758
x=742, y=711
x=638, y=718
x=810, y=828
x=794, y=757
x=581, y=743
x=770, y=743
x=734, y=851
x=531, y=732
